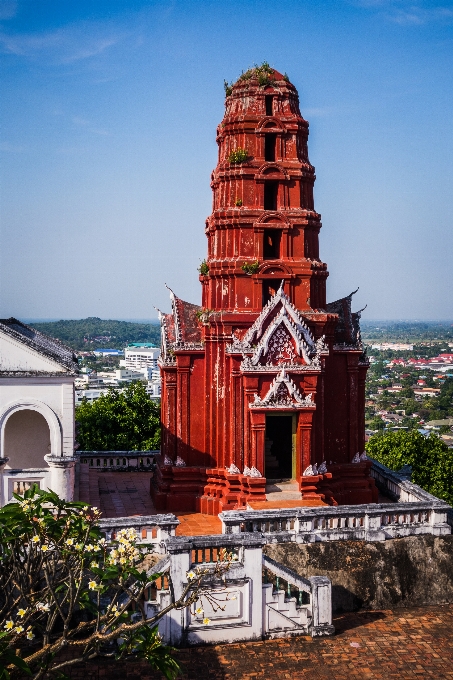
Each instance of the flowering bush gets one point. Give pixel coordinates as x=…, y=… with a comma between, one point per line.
x=64, y=587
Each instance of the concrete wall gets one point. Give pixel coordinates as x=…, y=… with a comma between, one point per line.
x=27, y=440
x=400, y=572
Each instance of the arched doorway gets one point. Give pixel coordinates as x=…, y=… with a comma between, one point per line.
x=26, y=439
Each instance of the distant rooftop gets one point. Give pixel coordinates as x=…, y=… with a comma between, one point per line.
x=142, y=344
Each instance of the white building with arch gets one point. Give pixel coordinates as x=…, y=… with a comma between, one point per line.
x=37, y=376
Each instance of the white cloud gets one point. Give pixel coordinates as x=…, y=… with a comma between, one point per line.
x=409, y=13
x=62, y=46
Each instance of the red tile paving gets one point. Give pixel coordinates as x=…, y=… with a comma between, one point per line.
x=197, y=524
x=380, y=645
x=117, y=494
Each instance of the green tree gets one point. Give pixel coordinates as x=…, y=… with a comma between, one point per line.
x=430, y=458
x=119, y=421
x=64, y=586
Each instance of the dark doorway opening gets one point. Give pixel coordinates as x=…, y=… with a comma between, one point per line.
x=269, y=104
x=271, y=244
x=270, y=287
x=270, y=195
x=279, y=447
x=269, y=147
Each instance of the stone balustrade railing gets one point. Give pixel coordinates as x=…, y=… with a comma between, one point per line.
x=241, y=605
x=153, y=530
x=397, y=486
x=415, y=512
x=118, y=460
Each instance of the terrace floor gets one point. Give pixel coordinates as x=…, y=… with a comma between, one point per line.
x=126, y=494
x=370, y=645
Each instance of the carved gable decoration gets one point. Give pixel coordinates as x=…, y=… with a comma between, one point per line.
x=283, y=393
x=279, y=337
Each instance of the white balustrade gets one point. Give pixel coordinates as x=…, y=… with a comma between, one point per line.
x=250, y=608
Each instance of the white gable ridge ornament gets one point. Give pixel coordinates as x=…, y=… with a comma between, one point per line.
x=282, y=341
x=278, y=313
x=283, y=393
x=257, y=329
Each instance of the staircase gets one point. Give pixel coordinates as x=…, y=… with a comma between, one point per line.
x=283, y=613
x=283, y=491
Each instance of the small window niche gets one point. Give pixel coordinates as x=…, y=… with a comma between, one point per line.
x=271, y=244
x=269, y=105
x=270, y=195
x=270, y=287
x=270, y=141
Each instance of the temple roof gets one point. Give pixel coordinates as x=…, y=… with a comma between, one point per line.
x=48, y=347
x=180, y=327
x=347, y=330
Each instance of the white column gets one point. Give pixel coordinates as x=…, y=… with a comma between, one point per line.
x=321, y=603
x=3, y=491
x=62, y=475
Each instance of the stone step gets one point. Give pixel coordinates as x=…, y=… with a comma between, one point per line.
x=283, y=491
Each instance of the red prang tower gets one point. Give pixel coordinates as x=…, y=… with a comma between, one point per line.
x=264, y=381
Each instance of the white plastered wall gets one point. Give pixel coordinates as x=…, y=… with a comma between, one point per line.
x=53, y=398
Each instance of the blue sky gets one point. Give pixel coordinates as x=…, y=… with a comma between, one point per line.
x=108, y=121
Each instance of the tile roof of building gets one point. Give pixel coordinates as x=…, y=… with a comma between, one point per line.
x=43, y=344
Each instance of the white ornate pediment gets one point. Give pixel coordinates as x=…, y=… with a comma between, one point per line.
x=282, y=393
x=278, y=337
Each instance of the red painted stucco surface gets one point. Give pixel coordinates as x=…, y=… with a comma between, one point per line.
x=265, y=342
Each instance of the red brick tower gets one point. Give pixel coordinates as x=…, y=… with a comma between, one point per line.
x=265, y=380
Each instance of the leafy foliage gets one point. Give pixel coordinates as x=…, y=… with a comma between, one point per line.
x=430, y=458
x=262, y=72
x=63, y=585
x=237, y=156
x=204, y=268
x=119, y=421
x=81, y=334
x=250, y=267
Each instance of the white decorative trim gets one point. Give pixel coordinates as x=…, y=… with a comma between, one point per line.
x=180, y=462
x=256, y=330
x=233, y=470
x=356, y=458
x=275, y=398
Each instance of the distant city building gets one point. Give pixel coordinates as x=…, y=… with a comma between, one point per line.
x=141, y=355
x=89, y=395
x=108, y=352
x=394, y=346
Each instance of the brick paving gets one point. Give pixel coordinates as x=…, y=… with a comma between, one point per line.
x=197, y=524
x=117, y=494
x=379, y=645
